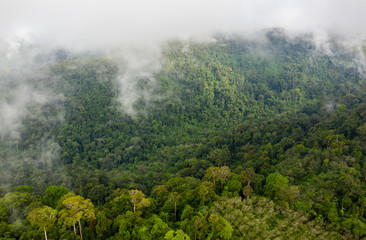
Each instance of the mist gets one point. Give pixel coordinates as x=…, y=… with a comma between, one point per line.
x=31, y=28
x=99, y=24
x=136, y=64
x=17, y=86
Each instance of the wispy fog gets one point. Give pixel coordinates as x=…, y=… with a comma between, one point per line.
x=30, y=28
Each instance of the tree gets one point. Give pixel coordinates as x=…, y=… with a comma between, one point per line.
x=201, y=225
x=76, y=208
x=292, y=193
x=206, y=191
x=43, y=217
x=138, y=199
x=160, y=193
x=212, y=172
x=220, y=156
x=158, y=228
x=220, y=227
x=98, y=194
x=247, y=191
x=176, y=235
x=53, y=194
x=103, y=224
x=275, y=187
x=225, y=174
x=247, y=176
x=234, y=185
x=174, y=197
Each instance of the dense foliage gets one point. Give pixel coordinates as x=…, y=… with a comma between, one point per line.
x=238, y=139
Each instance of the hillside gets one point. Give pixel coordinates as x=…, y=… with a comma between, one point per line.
x=230, y=139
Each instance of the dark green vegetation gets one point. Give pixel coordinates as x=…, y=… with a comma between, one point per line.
x=240, y=139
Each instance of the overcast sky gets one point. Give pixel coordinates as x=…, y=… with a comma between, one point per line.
x=93, y=23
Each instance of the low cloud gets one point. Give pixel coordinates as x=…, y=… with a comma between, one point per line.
x=30, y=28
x=137, y=66
x=22, y=66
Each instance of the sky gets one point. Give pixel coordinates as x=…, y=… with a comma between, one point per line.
x=88, y=24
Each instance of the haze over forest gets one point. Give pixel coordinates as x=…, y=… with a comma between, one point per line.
x=182, y=119
x=136, y=32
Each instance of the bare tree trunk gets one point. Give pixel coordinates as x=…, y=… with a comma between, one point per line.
x=81, y=234
x=45, y=233
x=175, y=210
x=74, y=229
x=195, y=229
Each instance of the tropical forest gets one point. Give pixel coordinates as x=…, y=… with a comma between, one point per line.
x=228, y=138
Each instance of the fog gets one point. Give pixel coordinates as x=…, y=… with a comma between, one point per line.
x=136, y=64
x=28, y=28
x=90, y=24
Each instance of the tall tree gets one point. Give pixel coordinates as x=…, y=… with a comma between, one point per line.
x=225, y=175
x=138, y=199
x=43, y=217
x=77, y=208
x=247, y=176
x=214, y=173
x=174, y=197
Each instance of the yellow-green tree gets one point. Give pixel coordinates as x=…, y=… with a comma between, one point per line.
x=138, y=199
x=176, y=235
x=43, y=217
x=76, y=208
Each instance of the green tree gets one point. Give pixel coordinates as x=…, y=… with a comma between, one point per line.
x=220, y=156
x=158, y=227
x=53, y=194
x=98, y=194
x=206, y=192
x=103, y=225
x=161, y=194
x=275, y=187
x=176, y=235
x=220, y=227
